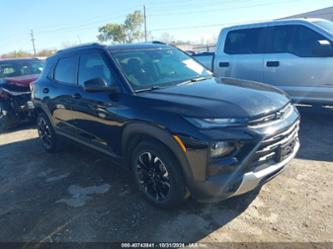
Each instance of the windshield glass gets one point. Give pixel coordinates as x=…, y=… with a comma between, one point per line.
x=148, y=68
x=14, y=68
x=326, y=25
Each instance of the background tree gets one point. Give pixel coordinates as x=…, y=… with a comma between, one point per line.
x=46, y=52
x=16, y=54
x=167, y=37
x=128, y=32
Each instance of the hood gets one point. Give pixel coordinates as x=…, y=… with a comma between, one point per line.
x=217, y=98
x=23, y=81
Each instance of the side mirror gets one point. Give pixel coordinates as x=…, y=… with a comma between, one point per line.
x=323, y=48
x=99, y=85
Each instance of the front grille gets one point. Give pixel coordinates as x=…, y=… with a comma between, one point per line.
x=276, y=148
x=280, y=114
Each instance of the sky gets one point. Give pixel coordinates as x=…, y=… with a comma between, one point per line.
x=60, y=23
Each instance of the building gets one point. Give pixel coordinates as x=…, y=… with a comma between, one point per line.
x=326, y=13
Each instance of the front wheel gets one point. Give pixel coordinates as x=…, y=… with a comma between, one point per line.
x=46, y=133
x=158, y=175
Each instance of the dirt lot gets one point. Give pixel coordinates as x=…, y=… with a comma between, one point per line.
x=78, y=195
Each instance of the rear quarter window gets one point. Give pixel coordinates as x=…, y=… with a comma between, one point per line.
x=66, y=70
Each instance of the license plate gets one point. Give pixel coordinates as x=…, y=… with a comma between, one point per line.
x=285, y=150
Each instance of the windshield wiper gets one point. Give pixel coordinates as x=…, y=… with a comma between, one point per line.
x=201, y=78
x=148, y=89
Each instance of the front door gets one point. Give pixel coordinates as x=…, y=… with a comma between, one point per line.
x=292, y=64
x=95, y=113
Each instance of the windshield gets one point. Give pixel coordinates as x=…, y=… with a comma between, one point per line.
x=148, y=68
x=326, y=25
x=14, y=68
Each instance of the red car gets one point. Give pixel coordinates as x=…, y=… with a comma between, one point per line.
x=16, y=75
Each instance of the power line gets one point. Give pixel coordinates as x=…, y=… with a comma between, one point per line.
x=209, y=25
x=184, y=2
x=217, y=10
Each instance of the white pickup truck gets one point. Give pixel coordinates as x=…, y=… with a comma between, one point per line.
x=295, y=55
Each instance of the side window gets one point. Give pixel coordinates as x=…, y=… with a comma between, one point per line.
x=308, y=43
x=296, y=39
x=244, y=41
x=281, y=40
x=65, y=70
x=92, y=66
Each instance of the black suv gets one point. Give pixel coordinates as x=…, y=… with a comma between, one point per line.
x=156, y=110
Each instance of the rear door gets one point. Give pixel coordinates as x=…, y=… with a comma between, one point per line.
x=292, y=64
x=59, y=93
x=241, y=54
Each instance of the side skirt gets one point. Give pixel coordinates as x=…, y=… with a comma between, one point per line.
x=115, y=158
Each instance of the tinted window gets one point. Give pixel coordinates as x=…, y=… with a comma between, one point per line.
x=306, y=42
x=281, y=39
x=65, y=70
x=145, y=68
x=295, y=39
x=93, y=66
x=14, y=68
x=245, y=41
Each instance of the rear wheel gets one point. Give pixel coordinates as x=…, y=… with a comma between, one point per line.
x=46, y=133
x=158, y=175
x=8, y=118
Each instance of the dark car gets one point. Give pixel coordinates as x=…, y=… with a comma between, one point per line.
x=16, y=75
x=157, y=111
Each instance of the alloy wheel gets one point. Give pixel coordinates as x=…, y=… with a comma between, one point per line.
x=44, y=132
x=153, y=176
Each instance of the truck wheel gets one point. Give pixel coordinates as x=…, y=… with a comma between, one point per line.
x=8, y=119
x=158, y=175
x=47, y=134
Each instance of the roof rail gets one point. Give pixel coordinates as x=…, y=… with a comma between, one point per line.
x=159, y=42
x=87, y=45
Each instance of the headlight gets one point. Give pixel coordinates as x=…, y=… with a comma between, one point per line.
x=222, y=149
x=217, y=122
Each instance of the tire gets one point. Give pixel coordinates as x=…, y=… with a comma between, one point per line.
x=8, y=118
x=158, y=175
x=46, y=133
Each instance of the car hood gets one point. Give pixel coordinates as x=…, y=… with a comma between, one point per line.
x=216, y=98
x=23, y=81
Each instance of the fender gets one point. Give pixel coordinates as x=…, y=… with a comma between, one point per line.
x=160, y=134
x=40, y=107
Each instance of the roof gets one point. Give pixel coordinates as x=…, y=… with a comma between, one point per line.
x=78, y=47
x=137, y=46
x=119, y=47
x=273, y=22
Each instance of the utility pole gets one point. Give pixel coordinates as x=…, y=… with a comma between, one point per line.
x=33, y=42
x=145, y=21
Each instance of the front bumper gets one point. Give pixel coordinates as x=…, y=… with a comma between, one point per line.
x=252, y=179
x=261, y=164
x=220, y=187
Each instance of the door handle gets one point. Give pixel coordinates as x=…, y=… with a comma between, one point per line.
x=272, y=63
x=224, y=64
x=76, y=96
x=46, y=90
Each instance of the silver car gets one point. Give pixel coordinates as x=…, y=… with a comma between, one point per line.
x=295, y=55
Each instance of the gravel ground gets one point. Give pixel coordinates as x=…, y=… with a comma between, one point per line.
x=79, y=195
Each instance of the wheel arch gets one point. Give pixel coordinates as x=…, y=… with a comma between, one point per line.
x=136, y=132
x=40, y=108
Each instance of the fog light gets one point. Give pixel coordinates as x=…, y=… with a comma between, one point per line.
x=222, y=149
